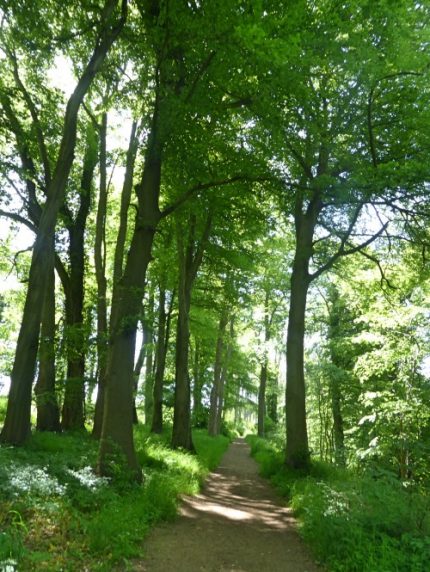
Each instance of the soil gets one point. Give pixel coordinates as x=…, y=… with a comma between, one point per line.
x=236, y=524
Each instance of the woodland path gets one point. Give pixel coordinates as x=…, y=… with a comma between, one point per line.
x=236, y=524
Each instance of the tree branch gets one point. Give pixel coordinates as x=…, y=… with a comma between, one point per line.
x=203, y=186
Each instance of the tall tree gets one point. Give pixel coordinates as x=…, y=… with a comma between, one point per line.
x=16, y=428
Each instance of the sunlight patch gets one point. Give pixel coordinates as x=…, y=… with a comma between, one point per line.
x=230, y=513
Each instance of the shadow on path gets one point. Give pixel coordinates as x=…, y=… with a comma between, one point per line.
x=236, y=524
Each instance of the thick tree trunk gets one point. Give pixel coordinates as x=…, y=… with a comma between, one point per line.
x=297, y=452
x=297, y=437
x=118, y=267
x=181, y=436
x=117, y=429
x=48, y=412
x=16, y=428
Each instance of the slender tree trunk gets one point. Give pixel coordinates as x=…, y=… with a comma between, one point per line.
x=138, y=367
x=48, y=412
x=262, y=398
x=16, y=428
x=338, y=434
x=224, y=374
x=100, y=268
x=149, y=364
x=213, y=426
x=157, y=412
x=74, y=398
x=263, y=370
x=272, y=398
x=190, y=259
x=198, y=414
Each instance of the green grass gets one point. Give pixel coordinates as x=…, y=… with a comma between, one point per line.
x=353, y=523
x=55, y=514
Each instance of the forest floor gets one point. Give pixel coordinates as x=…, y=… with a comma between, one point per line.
x=237, y=523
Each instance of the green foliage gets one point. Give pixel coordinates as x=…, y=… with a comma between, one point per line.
x=353, y=523
x=56, y=514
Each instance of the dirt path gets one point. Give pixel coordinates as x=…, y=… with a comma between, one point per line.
x=236, y=524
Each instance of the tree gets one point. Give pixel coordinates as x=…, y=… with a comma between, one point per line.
x=17, y=424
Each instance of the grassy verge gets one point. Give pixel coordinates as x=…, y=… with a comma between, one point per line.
x=55, y=514
x=353, y=523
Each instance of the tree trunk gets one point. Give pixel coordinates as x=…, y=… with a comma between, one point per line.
x=297, y=452
x=262, y=398
x=100, y=268
x=297, y=437
x=213, y=426
x=16, y=428
x=190, y=259
x=162, y=342
x=73, y=406
x=48, y=412
x=336, y=314
x=199, y=417
x=118, y=267
x=181, y=436
x=224, y=374
x=149, y=365
x=272, y=398
x=117, y=429
x=263, y=372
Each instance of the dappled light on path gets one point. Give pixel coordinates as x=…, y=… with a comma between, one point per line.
x=237, y=523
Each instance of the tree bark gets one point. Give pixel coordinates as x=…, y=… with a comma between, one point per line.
x=17, y=428
x=102, y=326
x=48, y=412
x=162, y=344
x=149, y=363
x=189, y=263
x=335, y=389
x=100, y=268
x=297, y=452
x=73, y=405
x=117, y=429
x=263, y=371
x=199, y=417
x=224, y=374
x=213, y=424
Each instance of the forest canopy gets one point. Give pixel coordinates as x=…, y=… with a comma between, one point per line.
x=215, y=215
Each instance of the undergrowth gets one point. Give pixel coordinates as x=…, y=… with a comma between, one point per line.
x=56, y=514
x=353, y=522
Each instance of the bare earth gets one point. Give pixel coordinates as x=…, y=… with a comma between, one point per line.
x=236, y=524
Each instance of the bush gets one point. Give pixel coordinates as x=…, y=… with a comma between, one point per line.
x=353, y=523
x=56, y=514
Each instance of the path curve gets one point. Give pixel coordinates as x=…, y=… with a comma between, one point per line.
x=236, y=524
